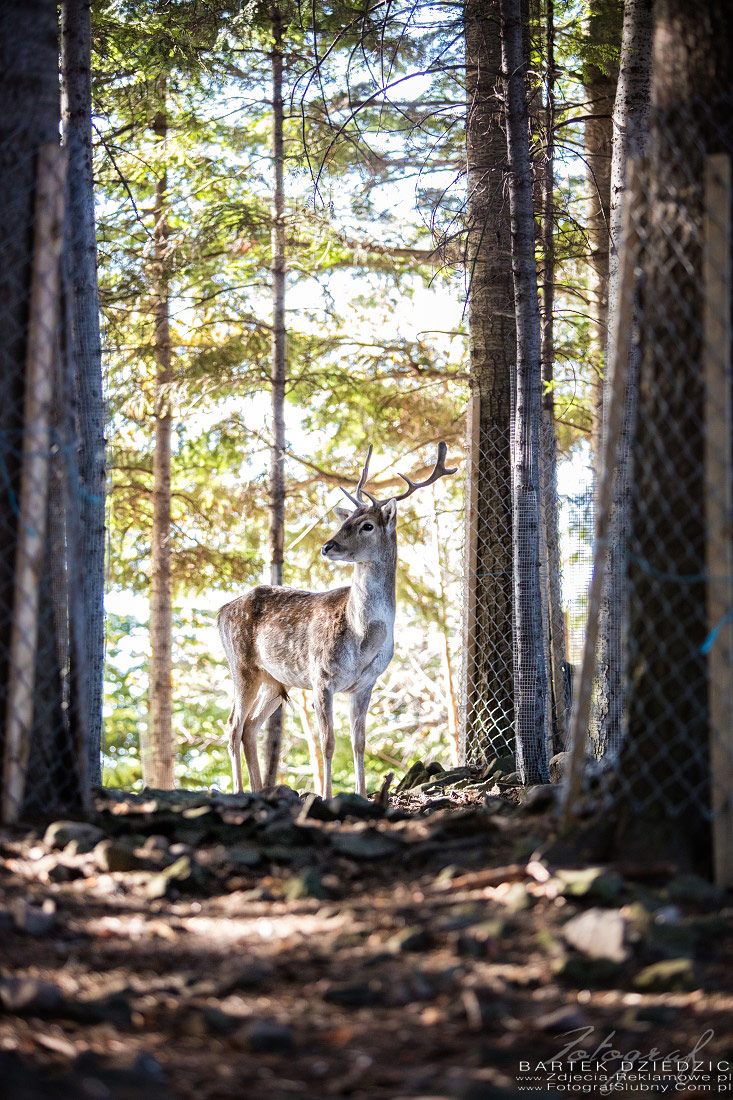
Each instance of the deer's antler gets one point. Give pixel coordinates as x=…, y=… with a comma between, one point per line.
x=439, y=471
x=358, y=500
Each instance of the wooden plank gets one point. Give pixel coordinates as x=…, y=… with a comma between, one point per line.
x=41, y=349
x=719, y=504
x=618, y=364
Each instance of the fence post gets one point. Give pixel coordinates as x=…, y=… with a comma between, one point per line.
x=719, y=504
x=42, y=331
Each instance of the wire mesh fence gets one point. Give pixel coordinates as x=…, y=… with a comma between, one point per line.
x=659, y=688
x=43, y=683
x=661, y=683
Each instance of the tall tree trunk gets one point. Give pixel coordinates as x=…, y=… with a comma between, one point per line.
x=551, y=523
x=158, y=753
x=604, y=35
x=76, y=49
x=488, y=682
x=277, y=376
x=630, y=130
x=665, y=761
x=29, y=92
x=531, y=700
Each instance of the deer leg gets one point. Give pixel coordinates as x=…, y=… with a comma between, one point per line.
x=235, y=723
x=246, y=687
x=268, y=699
x=359, y=708
x=324, y=714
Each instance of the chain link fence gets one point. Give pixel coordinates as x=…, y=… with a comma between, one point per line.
x=659, y=693
x=43, y=672
x=655, y=701
x=490, y=656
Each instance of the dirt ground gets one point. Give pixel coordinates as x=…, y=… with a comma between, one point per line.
x=209, y=947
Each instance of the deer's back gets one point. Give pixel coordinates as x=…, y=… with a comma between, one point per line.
x=283, y=631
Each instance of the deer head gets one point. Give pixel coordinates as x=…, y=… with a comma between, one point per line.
x=368, y=532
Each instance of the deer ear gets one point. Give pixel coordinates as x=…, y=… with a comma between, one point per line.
x=342, y=513
x=389, y=511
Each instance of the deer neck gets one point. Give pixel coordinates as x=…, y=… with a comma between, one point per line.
x=372, y=594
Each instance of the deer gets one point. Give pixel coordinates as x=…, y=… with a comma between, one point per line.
x=341, y=640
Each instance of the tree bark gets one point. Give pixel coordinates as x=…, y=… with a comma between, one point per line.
x=29, y=92
x=488, y=682
x=630, y=130
x=551, y=523
x=604, y=34
x=665, y=760
x=159, y=751
x=76, y=46
x=278, y=366
x=531, y=699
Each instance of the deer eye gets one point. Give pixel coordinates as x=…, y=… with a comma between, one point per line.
x=367, y=527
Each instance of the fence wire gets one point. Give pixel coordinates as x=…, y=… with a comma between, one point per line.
x=662, y=687
x=665, y=673
x=43, y=679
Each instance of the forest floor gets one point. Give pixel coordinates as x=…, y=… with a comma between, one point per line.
x=186, y=946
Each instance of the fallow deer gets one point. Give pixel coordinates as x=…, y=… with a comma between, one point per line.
x=277, y=638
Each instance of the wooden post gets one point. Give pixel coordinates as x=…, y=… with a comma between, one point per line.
x=618, y=361
x=42, y=327
x=719, y=505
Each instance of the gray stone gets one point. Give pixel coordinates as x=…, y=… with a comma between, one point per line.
x=307, y=884
x=694, y=890
x=539, y=799
x=62, y=872
x=416, y=773
x=493, y=804
x=669, y=976
x=355, y=996
x=244, y=855
x=61, y=833
x=112, y=856
x=183, y=872
x=251, y=975
x=413, y=939
x=516, y=898
x=558, y=765
x=267, y=1037
x=584, y=971
x=598, y=933
x=344, y=806
x=316, y=809
x=32, y=919
x=366, y=845
x=156, y=843
x=29, y=997
x=592, y=882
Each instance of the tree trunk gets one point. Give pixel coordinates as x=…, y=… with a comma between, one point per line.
x=551, y=525
x=29, y=93
x=158, y=753
x=277, y=375
x=665, y=760
x=630, y=129
x=488, y=684
x=531, y=700
x=76, y=46
x=604, y=35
